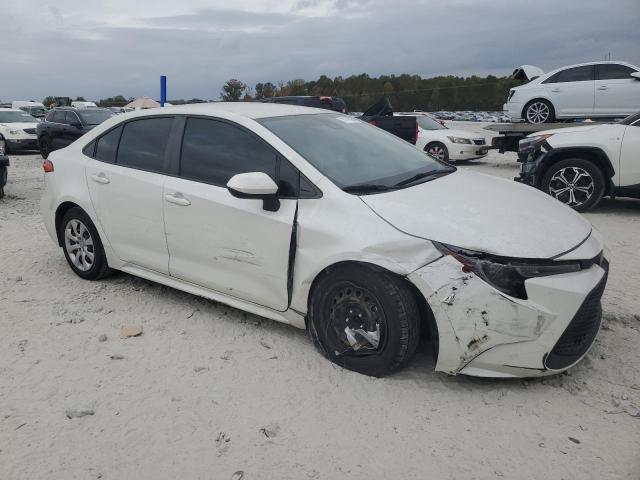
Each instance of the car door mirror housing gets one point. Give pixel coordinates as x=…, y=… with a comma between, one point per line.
x=257, y=185
x=636, y=75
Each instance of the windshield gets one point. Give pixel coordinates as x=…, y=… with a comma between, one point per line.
x=428, y=123
x=630, y=119
x=16, y=117
x=95, y=116
x=351, y=152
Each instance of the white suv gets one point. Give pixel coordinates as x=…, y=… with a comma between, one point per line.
x=586, y=90
x=319, y=220
x=579, y=165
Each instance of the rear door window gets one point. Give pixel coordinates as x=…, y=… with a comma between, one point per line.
x=613, y=71
x=575, y=74
x=214, y=151
x=107, y=146
x=143, y=144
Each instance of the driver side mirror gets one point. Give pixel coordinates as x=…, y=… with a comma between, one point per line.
x=636, y=75
x=257, y=185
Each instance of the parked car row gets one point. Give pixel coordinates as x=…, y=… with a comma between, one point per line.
x=319, y=220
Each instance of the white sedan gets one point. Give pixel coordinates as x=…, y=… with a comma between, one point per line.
x=325, y=222
x=586, y=90
x=447, y=144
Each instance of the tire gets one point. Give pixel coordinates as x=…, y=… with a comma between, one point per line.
x=76, y=228
x=7, y=150
x=358, y=294
x=576, y=182
x=45, y=147
x=539, y=111
x=437, y=150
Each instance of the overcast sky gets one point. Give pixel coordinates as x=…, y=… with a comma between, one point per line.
x=100, y=48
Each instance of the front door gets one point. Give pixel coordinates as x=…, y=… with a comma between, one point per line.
x=630, y=157
x=215, y=240
x=125, y=182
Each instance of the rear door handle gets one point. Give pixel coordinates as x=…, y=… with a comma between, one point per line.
x=555, y=90
x=602, y=87
x=178, y=199
x=100, y=178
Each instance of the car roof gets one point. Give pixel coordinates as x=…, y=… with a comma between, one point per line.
x=4, y=109
x=251, y=110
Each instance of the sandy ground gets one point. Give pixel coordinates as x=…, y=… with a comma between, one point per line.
x=207, y=390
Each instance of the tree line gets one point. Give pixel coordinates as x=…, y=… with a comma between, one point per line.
x=406, y=92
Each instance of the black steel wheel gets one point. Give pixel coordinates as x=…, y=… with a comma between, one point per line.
x=364, y=320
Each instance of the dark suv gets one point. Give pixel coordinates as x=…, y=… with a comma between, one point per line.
x=329, y=103
x=63, y=126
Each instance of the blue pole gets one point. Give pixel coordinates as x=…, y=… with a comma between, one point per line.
x=163, y=90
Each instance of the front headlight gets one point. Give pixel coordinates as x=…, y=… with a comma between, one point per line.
x=506, y=274
x=530, y=144
x=14, y=132
x=459, y=140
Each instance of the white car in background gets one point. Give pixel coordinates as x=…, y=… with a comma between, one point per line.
x=580, y=165
x=585, y=90
x=83, y=104
x=17, y=130
x=445, y=143
x=319, y=220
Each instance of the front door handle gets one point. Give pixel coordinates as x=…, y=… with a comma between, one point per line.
x=178, y=199
x=100, y=178
x=602, y=87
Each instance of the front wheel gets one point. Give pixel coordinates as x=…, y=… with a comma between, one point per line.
x=437, y=150
x=576, y=182
x=364, y=320
x=539, y=111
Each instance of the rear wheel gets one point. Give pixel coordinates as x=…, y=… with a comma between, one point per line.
x=539, y=111
x=576, y=182
x=82, y=246
x=45, y=147
x=437, y=150
x=364, y=320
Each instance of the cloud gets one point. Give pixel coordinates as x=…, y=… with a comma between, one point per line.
x=117, y=47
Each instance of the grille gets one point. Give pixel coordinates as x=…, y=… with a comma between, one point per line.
x=581, y=332
x=479, y=141
x=30, y=131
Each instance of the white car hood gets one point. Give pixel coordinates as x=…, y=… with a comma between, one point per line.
x=483, y=213
x=459, y=133
x=581, y=129
x=18, y=125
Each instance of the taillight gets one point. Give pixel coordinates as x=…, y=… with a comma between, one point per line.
x=374, y=123
x=47, y=166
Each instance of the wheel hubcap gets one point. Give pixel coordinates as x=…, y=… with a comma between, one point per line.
x=573, y=186
x=79, y=245
x=356, y=321
x=538, y=112
x=436, y=151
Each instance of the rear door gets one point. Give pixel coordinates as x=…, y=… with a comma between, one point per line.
x=228, y=244
x=572, y=91
x=617, y=92
x=125, y=180
x=73, y=129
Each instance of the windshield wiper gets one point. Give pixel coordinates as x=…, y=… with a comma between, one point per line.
x=366, y=188
x=431, y=174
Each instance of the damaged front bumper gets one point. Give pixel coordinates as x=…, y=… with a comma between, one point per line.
x=530, y=161
x=483, y=332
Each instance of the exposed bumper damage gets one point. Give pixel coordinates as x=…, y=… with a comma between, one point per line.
x=483, y=332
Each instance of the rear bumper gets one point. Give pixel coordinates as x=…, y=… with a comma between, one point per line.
x=514, y=111
x=483, y=332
